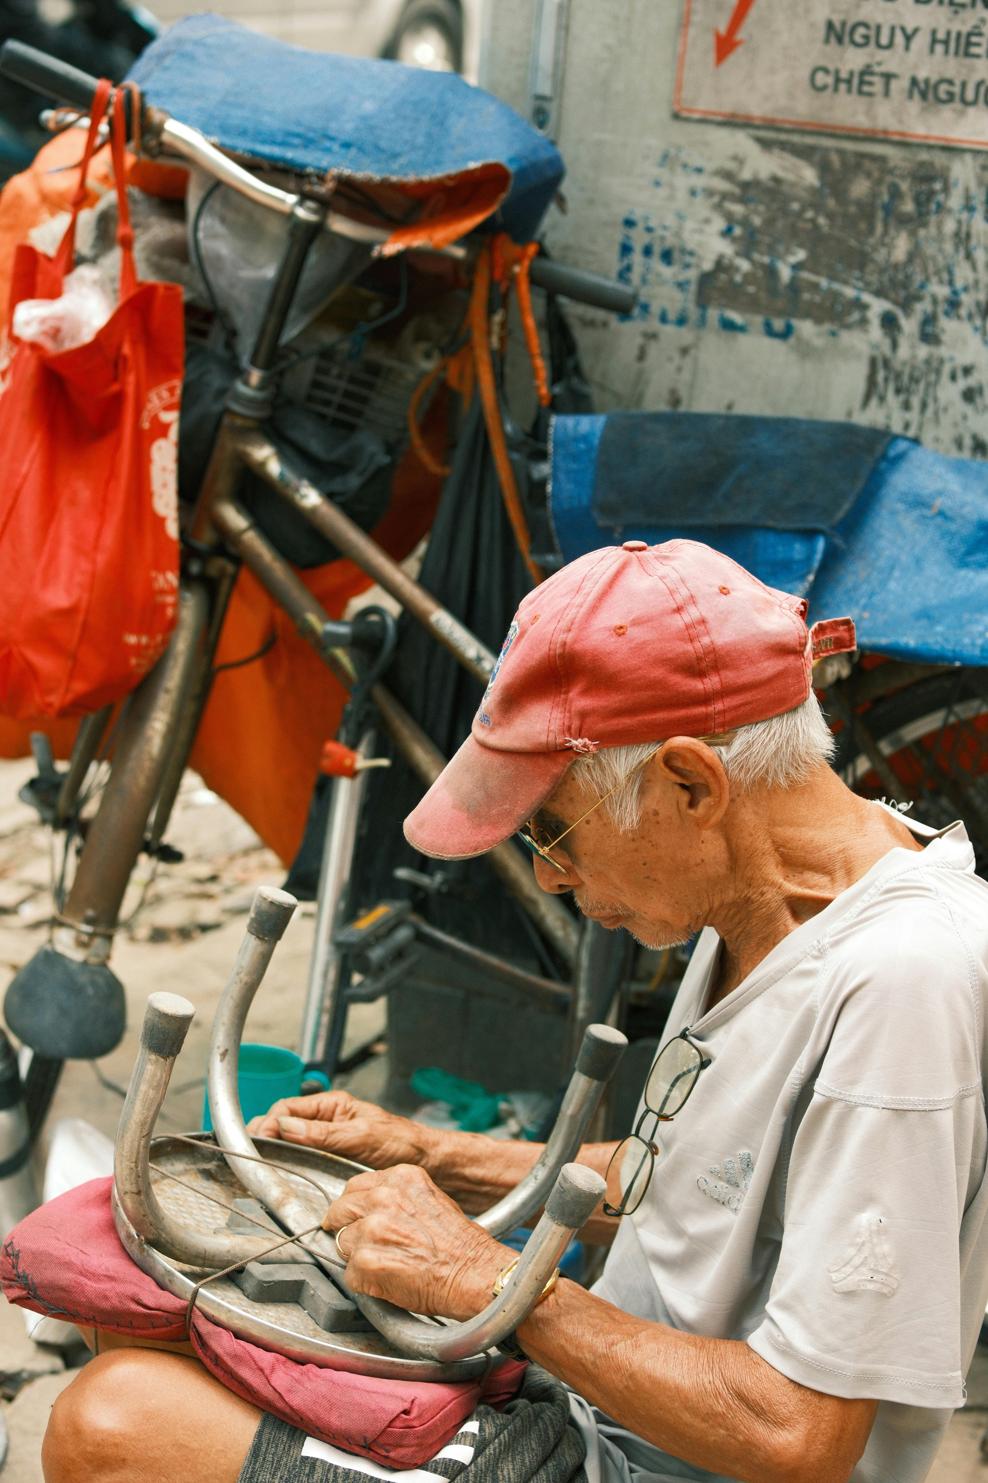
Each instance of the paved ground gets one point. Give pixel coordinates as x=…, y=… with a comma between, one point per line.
x=185, y=938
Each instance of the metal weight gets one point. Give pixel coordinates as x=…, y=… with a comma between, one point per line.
x=171, y=1226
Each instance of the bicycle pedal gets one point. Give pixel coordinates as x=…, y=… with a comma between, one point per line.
x=381, y=947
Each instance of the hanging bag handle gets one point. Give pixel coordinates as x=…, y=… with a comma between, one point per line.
x=65, y=256
x=118, y=148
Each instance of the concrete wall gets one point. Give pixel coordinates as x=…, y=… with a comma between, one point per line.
x=780, y=273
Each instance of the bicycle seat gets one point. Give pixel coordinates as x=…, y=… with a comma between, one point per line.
x=358, y=119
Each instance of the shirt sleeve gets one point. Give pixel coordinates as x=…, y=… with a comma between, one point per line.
x=886, y=1165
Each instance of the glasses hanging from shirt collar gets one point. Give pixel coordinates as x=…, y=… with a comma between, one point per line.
x=675, y=1072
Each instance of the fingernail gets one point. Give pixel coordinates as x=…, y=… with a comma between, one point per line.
x=293, y=1126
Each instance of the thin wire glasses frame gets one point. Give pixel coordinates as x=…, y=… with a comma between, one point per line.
x=526, y=833
x=668, y=1087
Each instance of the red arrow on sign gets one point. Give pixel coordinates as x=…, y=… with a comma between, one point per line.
x=726, y=42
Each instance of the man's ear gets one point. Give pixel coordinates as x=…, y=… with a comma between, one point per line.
x=697, y=773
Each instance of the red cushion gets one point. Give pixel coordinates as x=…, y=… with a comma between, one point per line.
x=65, y=1259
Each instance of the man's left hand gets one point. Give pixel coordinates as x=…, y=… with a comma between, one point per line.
x=406, y=1241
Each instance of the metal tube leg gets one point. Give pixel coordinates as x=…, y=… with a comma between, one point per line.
x=600, y=966
x=199, y=687
x=296, y=1206
x=324, y=1003
x=166, y=1022
x=600, y=1053
x=573, y=1198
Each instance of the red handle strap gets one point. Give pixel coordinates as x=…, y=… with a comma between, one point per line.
x=118, y=148
x=65, y=256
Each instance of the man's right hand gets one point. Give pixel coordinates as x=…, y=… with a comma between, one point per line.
x=356, y=1130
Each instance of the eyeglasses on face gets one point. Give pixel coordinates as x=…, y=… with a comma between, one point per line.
x=530, y=832
x=675, y=1072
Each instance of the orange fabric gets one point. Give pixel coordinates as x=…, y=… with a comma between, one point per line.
x=463, y=202
x=260, y=737
x=168, y=182
x=461, y=374
x=480, y=336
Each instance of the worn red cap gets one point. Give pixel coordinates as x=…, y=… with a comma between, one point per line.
x=633, y=643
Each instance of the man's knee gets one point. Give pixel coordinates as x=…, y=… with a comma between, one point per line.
x=145, y=1413
x=94, y=1422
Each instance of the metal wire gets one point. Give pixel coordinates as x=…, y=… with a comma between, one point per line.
x=199, y=1144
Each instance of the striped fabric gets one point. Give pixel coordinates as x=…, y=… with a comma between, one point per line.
x=529, y=1441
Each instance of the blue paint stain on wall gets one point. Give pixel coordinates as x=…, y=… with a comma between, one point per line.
x=656, y=255
x=677, y=248
x=733, y=324
x=778, y=329
x=928, y=332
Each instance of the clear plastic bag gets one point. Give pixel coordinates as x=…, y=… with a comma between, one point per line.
x=68, y=321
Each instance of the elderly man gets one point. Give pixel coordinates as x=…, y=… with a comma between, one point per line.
x=800, y=1256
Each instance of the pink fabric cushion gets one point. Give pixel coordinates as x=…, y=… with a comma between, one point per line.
x=65, y=1259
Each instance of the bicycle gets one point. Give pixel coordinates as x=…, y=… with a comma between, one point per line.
x=67, y=1002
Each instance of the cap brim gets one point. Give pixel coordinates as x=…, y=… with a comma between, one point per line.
x=481, y=798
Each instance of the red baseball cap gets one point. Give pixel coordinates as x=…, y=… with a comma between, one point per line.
x=633, y=643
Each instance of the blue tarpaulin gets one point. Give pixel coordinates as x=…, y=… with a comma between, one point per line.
x=355, y=116
x=858, y=522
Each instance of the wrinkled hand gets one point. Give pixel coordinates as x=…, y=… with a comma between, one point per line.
x=406, y=1241
x=343, y=1125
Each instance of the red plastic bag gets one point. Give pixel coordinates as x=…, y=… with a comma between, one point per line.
x=88, y=499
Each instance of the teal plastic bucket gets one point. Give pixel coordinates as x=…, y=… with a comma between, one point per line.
x=266, y=1074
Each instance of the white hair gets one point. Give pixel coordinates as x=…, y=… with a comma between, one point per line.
x=778, y=753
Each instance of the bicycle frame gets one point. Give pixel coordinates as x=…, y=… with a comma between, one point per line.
x=162, y=716
x=157, y=725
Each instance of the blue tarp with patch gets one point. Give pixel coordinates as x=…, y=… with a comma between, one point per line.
x=356, y=116
x=857, y=520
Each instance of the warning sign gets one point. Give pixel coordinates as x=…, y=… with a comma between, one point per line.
x=889, y=69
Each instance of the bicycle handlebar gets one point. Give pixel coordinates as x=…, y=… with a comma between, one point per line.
x=586, y=288
x=47, y=75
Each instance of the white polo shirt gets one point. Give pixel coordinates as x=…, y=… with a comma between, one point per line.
x=822, y=1194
